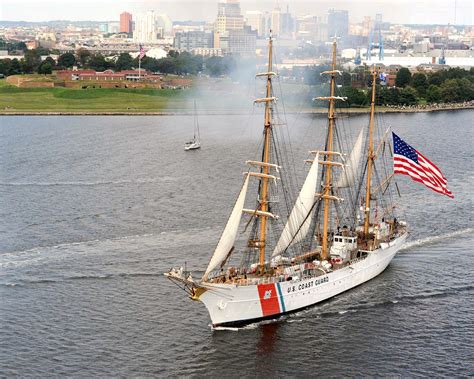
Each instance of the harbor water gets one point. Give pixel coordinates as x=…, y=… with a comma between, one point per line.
x=94, y=209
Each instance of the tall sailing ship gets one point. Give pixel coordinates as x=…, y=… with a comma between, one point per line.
x=339, y=232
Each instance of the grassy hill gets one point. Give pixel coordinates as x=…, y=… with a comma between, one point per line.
x=14, y=99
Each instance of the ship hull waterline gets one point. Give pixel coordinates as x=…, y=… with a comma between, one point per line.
x=237, y=306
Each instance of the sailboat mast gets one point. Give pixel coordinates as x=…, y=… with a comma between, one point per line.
x=327, y=186
x=266, y=158
x=370, y=156
x=195, y=120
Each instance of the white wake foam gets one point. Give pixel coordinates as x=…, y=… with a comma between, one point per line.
x=435, y=239
x=92, y=183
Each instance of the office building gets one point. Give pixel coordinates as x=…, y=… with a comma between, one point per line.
x=275, y=21
x=228, y=17
x=145, y=28
x=125, y=22
x=256, y=20
x=191, y=40
x=338, y=23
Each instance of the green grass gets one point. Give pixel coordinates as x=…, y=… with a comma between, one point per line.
x=13, y=99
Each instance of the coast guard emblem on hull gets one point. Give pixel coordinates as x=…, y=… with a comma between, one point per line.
x=268, y=299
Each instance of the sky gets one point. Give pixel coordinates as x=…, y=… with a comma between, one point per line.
x=395, y=11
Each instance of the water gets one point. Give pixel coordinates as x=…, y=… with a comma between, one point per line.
x=94, y=209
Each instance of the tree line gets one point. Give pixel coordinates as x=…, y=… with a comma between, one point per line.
x=448, y=86
x=175, y=63
x=453, y=85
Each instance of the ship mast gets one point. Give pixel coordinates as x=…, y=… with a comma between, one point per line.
x=266, y=159
x=370, y=156
x=327, y=186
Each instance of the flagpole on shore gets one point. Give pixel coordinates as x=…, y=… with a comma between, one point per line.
x=140, y=56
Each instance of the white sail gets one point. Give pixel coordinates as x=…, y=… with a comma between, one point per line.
x=229, y=234
x=297, y=225
x=348, y=176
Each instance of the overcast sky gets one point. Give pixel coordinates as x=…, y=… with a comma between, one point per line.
x=396, y=11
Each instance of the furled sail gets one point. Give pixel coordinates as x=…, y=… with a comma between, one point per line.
x=229, y=234
x=348, y=176
x=298, y=223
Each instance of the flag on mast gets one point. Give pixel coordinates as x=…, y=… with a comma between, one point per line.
x=142, y=52
x=409, y=161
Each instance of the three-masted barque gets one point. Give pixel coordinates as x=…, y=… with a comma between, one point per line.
x=339, y=232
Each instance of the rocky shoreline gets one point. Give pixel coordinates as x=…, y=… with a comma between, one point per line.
x=384, y=109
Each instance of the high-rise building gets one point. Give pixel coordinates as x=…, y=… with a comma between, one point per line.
x=145, y=28
x=125, y=22
x=240, y=42
x=312, y=28
x=287, y=23
x=113, y=27
x=256, y=21
x=164, y=22
x=338, y=23
x=192, y=40
x=275, y=21
x=229, y=17
x=231, y=34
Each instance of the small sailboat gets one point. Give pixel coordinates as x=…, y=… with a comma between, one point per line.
x=340, y=230
x=195, y=143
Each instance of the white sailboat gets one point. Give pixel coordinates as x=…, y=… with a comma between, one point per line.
x=323, y=248
x=195, y=143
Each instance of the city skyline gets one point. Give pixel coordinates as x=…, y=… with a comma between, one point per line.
x=404, y=11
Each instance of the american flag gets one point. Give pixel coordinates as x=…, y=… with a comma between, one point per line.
x=409, y=161
x=142, y=52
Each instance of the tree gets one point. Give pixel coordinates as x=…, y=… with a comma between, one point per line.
x=66, y=60
x=419, y=82
x=83, y=56
x=214, y=66
x=312, y=75
x=51, y=61
x=165, y=65
x=124, y=62
x=403, y=77
x=408, y=96
x=452, y=91
x=355, y=97
x=173, y=54
x=98, y=63
x=433, y=94
x=5, y=66
x=437, y=78
x=45, y=68
x=456, y=73
x=31, y=61
x=15, y=68
x=42, y=51
x=346, y=79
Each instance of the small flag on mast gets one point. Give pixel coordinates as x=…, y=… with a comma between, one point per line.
x=409, y=161
x=142, y=52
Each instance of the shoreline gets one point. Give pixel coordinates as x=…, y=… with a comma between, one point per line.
x=319, y=111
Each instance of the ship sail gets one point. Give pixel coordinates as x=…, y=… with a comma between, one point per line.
x=298, y=222
x=348, y=176
x=229, y=234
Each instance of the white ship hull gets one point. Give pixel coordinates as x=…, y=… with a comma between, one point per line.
x=233, y=305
